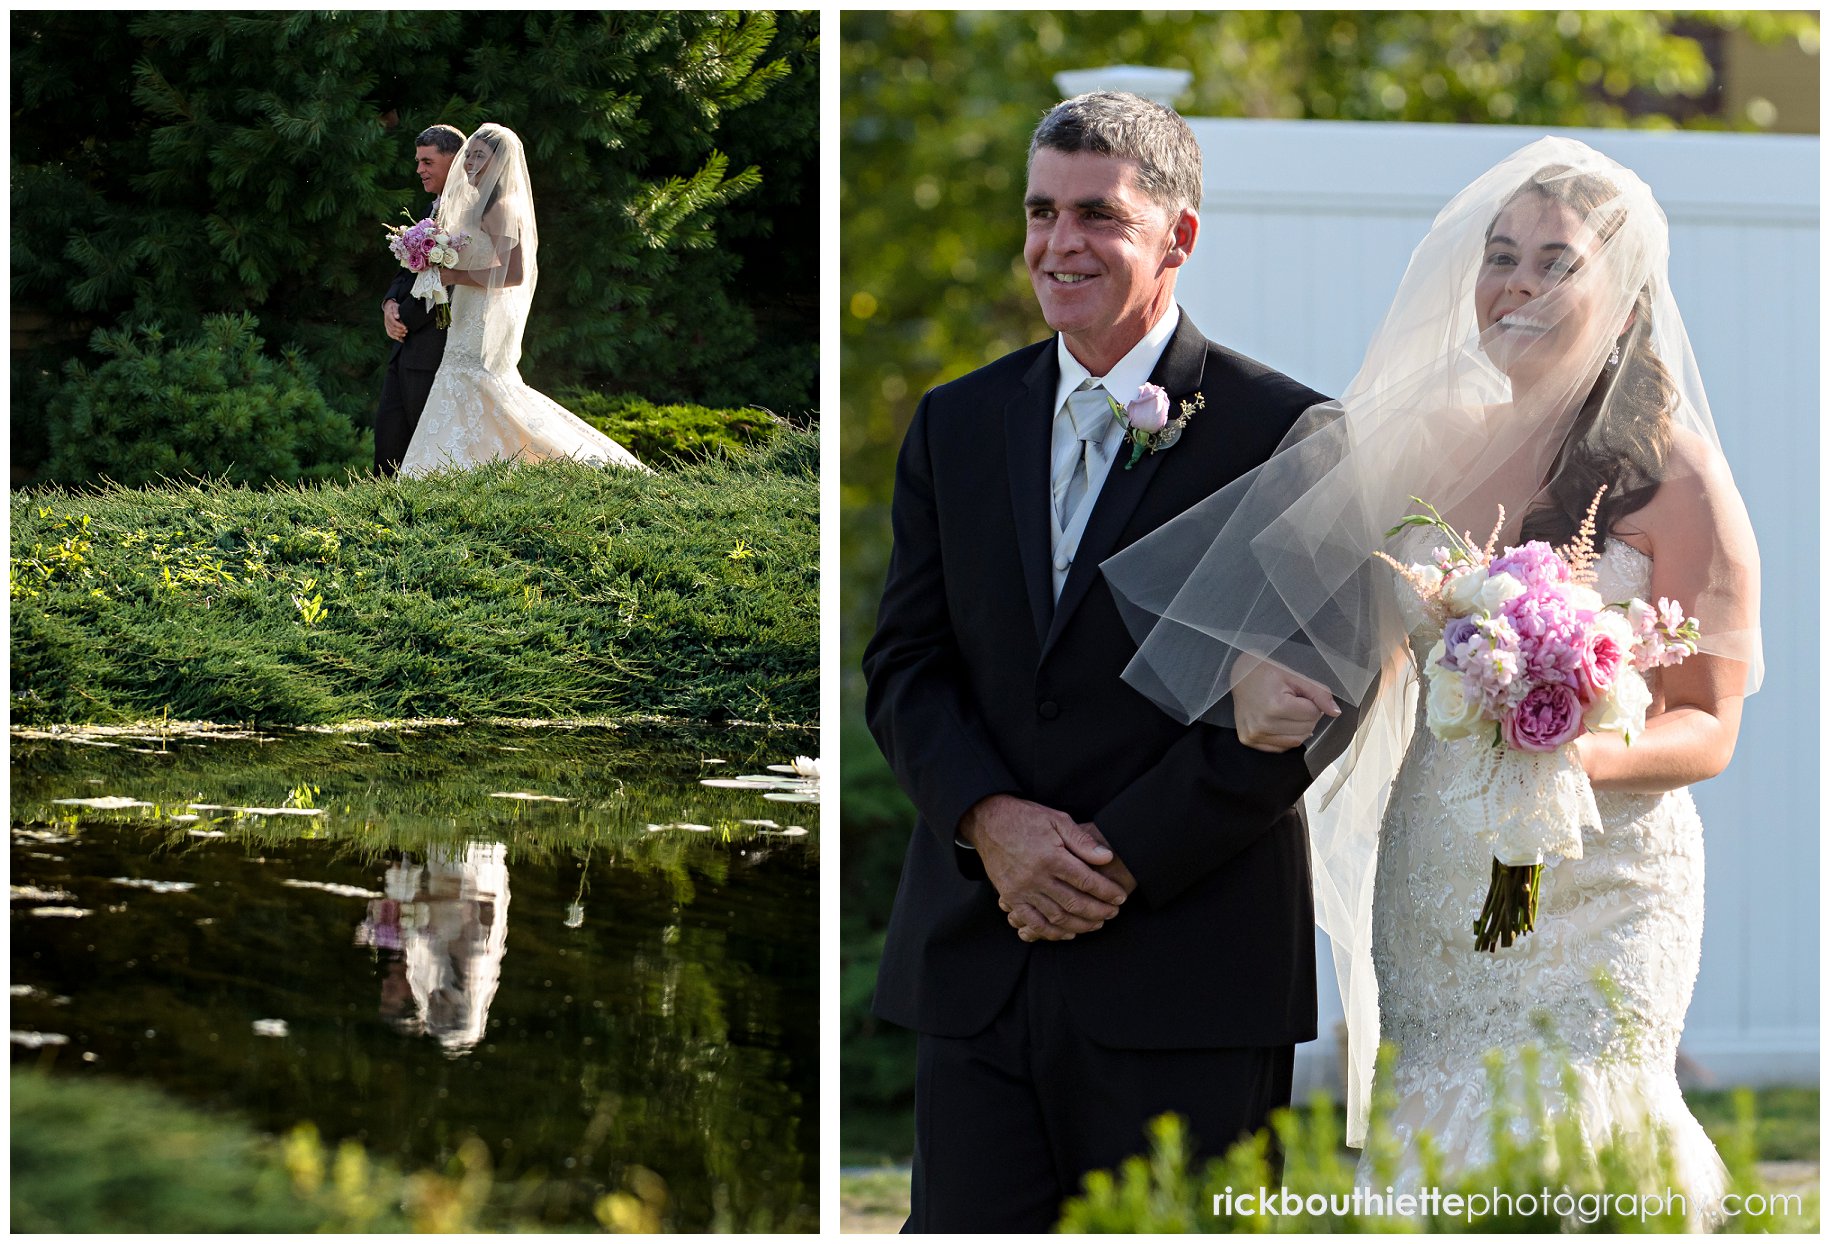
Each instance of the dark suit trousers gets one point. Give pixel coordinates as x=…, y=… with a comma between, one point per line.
x=403, y=399
x=1008, y=1121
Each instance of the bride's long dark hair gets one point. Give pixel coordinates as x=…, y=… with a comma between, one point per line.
x=1622, y=435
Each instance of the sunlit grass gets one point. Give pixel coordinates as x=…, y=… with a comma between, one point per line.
x=554, y=591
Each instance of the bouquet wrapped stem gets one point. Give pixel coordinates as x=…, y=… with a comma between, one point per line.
x=1512, y=905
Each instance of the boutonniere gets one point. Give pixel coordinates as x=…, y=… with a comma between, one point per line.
x=1146, y=420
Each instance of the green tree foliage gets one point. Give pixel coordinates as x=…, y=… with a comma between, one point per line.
x=936, y=113
x=173, y=165
x=217, y=404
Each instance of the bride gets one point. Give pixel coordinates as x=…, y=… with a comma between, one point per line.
x=1533, y=354
x=479, y=409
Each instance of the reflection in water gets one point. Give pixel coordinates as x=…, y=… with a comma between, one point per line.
x=660, y=1012
x=443, y=929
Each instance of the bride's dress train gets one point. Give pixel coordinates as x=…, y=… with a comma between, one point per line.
x=1603, y=982
x=480, y=409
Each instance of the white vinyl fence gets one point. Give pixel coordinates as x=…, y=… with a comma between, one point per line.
x=1305, y=230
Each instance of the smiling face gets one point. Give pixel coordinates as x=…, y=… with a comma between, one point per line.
x=433, y=166
x=1101, y=253
x=477, y=155
x=1534, y=308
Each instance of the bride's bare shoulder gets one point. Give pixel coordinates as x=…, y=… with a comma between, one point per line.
x=1696, y=499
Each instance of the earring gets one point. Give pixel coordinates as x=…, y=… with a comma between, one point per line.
x=1614, y=358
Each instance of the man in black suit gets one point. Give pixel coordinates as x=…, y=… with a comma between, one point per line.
x=1156, y=875
x=419, y=344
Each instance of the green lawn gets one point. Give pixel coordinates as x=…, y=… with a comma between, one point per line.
x=554, y=591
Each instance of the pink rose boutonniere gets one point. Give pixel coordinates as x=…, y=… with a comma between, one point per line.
x=1146, y=420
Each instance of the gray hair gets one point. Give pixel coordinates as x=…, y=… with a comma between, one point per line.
x=1116, y=123
x=447, y=138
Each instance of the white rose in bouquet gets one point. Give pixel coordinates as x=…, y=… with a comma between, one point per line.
x=1452, y=715
x=1583, y=597
x=1497, y=590
x=1461, y=590
x=1624, y=707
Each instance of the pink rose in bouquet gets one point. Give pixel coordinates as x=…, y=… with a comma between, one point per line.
x=1599, y=664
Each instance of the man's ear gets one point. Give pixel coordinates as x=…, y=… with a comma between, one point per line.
x=1182, y=233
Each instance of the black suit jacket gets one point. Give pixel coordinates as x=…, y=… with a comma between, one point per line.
x=979, y=684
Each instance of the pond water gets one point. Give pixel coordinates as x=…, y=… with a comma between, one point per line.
x=559, y=941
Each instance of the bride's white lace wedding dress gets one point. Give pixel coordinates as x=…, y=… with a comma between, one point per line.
x=1607, y=974
x=480, y=410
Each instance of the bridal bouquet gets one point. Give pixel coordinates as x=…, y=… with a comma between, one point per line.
x=421, y=247
x=1530, y=657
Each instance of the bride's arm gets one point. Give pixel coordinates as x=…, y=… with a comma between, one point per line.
x=1697, y=530
x=503, y=253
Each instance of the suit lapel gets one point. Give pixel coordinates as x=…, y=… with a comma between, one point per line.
x=1179, y=372
x=1028, y=423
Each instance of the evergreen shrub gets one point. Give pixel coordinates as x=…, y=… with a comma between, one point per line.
x=672, y=433
x=215, y=404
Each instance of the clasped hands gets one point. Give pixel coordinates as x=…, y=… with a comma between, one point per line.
x=1055, y=877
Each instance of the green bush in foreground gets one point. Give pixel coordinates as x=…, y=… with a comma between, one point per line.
x=117, y=1157
x=554, y=591
x=1623, y=1187
x=110, y=1156
x=671, y=433
x=215, y=404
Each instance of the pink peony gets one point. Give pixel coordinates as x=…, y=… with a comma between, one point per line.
x=1534, y=564
x=1149, y=410
x=1546, y=719
x=1551, y=638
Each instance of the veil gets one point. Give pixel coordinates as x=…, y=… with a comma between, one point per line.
x=490, y=197
x=1532, y=352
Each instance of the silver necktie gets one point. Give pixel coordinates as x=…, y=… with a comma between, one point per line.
x=1090, y=411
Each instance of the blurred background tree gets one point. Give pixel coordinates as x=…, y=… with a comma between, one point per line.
x=168, y=166
x=936, y=113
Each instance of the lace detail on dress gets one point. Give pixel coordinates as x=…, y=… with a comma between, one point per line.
x=1604, y=981
x=480, y=410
